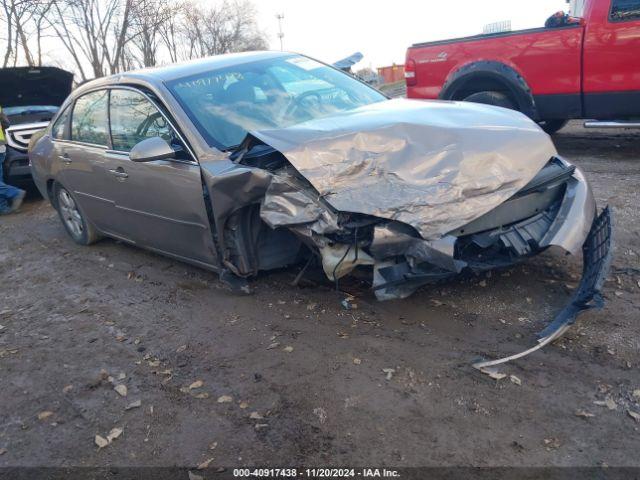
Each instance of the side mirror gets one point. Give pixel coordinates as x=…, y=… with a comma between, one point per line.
x=150, y=149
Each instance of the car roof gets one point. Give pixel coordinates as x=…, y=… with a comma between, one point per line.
x=167, y=73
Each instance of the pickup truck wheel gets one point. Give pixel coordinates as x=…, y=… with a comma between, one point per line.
x=552, y=126
x=492, y=98
x=75, y=223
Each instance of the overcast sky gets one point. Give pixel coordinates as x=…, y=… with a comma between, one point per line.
x=333, y=29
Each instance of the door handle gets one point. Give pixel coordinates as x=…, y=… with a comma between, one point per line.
x=65, y=158
x=119, y=172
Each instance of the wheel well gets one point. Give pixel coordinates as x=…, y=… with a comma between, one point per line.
x=50, y=184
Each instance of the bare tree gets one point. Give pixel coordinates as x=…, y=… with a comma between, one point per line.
x=148, y=21
x=24, y=19
x=227, y=27
x=95, y=31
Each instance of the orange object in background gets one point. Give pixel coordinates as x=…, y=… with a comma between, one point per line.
x=391, y=74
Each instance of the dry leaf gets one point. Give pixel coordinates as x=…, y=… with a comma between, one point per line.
x=273, y=345
x=244, y=405
x=584, y=414
x=44, y=415
x=196, y=384
x=201, y=395
x=121, y=389
x=134, y=404
x=213, y=445
x=67, y=389
x=181, y=348
x=634, y=415
x=255, y=416
x=122, y=376
x=193, y=476
x=101, y=442
x=608, y=402
x=225, y=399
x=636, y=393
x=389, y=372
x=113, y=434
x=205, y=464
x=357, y=361
x=515, y=380
x=288, y=349
x=3, y=451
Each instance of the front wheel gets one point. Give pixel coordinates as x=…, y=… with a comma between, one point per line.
x=77, y=226
x=552, y=126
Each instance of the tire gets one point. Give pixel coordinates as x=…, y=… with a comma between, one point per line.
x=552, y=126
x=492, y=98
x=75, y=223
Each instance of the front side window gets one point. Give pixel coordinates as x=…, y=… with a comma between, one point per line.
x=624, y=10
x=225, y=104
x=133, y=119
x=89, y=120
x=59, y=129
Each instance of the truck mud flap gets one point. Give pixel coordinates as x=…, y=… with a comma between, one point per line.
x=597, y=254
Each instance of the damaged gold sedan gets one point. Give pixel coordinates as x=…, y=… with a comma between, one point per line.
x=250, y=162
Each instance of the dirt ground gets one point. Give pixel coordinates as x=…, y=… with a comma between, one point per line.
x=287, y=376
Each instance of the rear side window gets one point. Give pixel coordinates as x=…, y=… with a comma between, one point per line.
x=59, y=129
x=133, y=119
x=89, y=120
x=624, y=10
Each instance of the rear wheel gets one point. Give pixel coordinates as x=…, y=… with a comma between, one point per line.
x=76, y=225
x=492, y=98
x=552, y=126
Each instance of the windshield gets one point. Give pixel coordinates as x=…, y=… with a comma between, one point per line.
x=225, y=104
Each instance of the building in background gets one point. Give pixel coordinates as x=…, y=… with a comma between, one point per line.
x=391, y=74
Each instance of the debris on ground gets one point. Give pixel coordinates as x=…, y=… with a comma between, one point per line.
x=205, y=464
x=44, y=415
x=389, y=372
x=348, y=303
x=608, y=402
x=552, y=443
x=634, y=415
x=134, y=404
x=121, y=389
x=196, y=384
x=225, y=399
x=357, y=361
x=515, y=380
x=102, y=442
x=288, y=349
x=584, y=414
x=493, y=372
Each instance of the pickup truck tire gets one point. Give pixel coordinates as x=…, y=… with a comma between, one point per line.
x=552, y=126
x=492, y=98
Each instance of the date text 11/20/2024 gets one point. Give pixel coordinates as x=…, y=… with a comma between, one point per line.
x=315, y=473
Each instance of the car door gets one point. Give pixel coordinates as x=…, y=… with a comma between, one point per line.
x=79, y=152
x=157, y=204
x=611, y=72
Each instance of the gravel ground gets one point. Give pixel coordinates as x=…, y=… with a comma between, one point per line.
x=286, y=376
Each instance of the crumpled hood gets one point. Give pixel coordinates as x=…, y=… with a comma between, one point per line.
x=434, y=165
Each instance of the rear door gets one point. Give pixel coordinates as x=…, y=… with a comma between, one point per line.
x=158, y=204
x=611, y=73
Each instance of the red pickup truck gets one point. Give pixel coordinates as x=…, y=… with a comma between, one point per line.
x=589, y=69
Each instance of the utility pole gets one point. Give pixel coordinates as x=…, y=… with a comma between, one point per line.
x=280, y=17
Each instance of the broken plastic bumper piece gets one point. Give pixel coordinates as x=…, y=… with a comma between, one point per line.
x=597, y=252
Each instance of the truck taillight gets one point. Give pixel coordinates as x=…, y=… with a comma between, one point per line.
x=410, y=73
